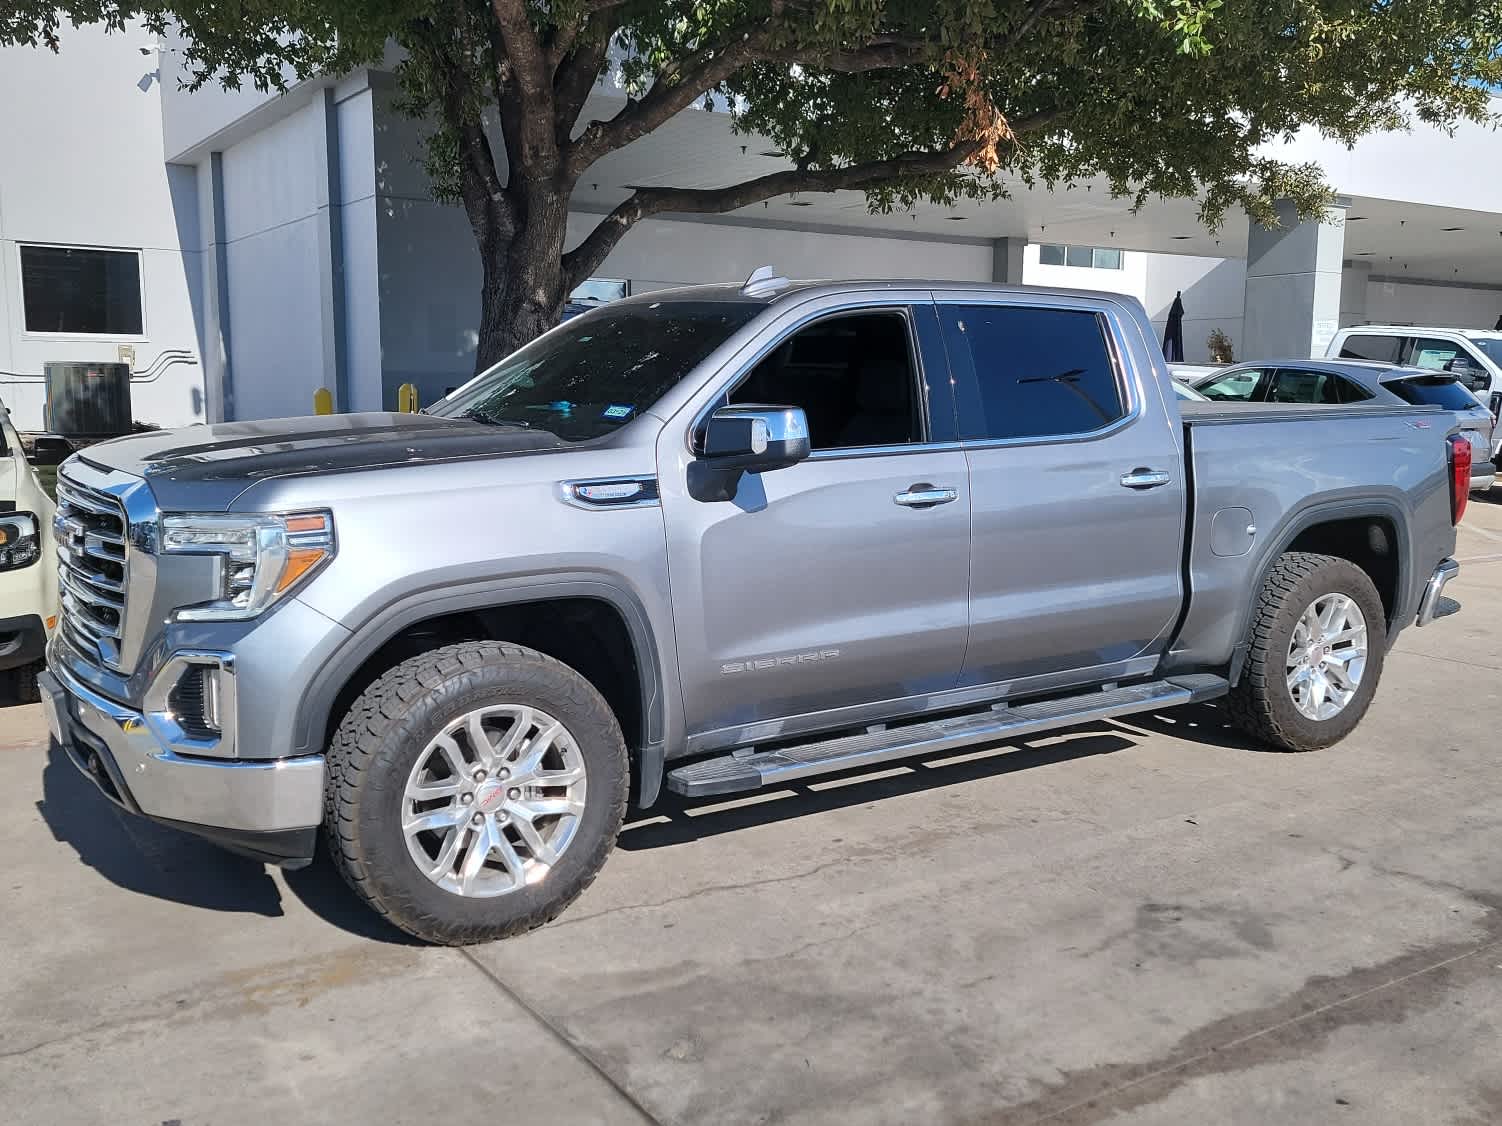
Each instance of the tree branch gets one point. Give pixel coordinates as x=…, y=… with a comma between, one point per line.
x=485, y=199
x=672, y=90
x=577, y=73
x=534, y=87
x=583, y=260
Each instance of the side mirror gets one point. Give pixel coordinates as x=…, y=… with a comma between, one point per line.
x=747, y=439
x=49, y=449
x=756, y=438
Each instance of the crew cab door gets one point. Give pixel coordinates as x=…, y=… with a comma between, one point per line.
x=1077, y=491
x=840, y=582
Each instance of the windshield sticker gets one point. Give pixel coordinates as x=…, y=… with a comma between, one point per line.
x=618, y=410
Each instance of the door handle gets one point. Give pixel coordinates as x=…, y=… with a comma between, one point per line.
x=1140, y=478
x=924, y=495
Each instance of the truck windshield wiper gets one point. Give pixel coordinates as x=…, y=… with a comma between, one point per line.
x=476, y=415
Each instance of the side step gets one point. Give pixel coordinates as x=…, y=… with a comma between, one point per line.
x=733, y=773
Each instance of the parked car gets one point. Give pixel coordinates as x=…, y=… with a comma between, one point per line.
x=1344, y=382
x=28, y=575
x=716, y=539
x=1473, y=355
x=1184, y=391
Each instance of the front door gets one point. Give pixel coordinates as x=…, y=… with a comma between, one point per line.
x=1077, y=490
x=840, y=582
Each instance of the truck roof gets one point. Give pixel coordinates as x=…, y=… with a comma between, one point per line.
x=1414, y=330
x=781, y=288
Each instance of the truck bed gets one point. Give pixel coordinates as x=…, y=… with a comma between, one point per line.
x=1260, y=472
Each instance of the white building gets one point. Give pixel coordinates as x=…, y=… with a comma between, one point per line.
x=241, y=250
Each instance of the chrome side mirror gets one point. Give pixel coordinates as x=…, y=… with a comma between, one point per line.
x=748, y=438
x=756, y=438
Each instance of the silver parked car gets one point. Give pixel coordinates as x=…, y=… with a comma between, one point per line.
x=1344, y=382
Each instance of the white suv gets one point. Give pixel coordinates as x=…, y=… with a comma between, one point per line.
x=1474, y=355
x=28, y=575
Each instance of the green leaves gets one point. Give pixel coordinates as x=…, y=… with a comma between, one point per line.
x=1155, y=97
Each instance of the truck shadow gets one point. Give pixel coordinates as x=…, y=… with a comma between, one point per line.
x=675, y=820
x=167, y=864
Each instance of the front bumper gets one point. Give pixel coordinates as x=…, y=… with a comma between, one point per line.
x=1434, y=588
x=268, y=808
x=1483, y=476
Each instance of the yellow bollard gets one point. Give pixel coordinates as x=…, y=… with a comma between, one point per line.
x=406, y=398
x=323, y=401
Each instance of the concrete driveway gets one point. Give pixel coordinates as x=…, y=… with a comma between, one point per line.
x=1135, y=922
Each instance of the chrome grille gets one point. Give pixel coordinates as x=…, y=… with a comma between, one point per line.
x=90, y=533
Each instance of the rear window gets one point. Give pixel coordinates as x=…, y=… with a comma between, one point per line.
x=1371, y=346
x=1433, y=391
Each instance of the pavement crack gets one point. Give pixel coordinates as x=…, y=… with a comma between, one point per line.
x=1288, y=1029
x=569, y=1044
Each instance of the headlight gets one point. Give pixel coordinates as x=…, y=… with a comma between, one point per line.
x=262, y=558
x=19, y=543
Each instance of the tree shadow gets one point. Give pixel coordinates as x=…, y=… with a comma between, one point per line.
x=168, y=864
x=675, y=820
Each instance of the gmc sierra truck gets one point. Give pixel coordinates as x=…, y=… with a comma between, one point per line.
x=712, y=540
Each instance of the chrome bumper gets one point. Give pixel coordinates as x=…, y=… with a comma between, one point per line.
x=232, y=801
x=1429, y=604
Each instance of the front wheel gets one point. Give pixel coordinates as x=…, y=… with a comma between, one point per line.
x=475, y=791
x=1315, y=651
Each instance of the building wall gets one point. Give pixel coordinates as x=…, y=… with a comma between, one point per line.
x=1213, y=290
x=83, y=165
x=1394, y=302
x=271, y=257
x=429, y=275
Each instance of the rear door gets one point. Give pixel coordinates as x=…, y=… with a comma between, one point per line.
x=1304, y=385
x=1078, y=492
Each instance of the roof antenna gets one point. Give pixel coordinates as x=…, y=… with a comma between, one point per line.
x=763, y=280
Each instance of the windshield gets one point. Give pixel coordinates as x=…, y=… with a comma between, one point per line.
x=1433, y=391
x=600, y=371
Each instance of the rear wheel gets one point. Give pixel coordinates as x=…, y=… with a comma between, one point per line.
x=1315, y=653
x=475, y=791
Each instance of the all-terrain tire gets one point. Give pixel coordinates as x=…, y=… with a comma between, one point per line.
x=379, y=740
x=1261, y=704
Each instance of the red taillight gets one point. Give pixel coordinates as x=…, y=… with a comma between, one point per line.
x=1460, y=476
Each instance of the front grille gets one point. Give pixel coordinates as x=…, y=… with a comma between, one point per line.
x=90, y=532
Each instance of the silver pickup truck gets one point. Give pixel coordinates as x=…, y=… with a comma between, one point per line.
x=712, y=540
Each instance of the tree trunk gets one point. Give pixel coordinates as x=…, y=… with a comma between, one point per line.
x=522, y=294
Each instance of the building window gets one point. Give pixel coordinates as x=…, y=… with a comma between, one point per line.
x=80, y=291
x=1085, y=257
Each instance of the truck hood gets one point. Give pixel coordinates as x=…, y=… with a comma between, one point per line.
x=204, y=468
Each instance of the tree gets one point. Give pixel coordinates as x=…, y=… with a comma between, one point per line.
x=901, y=99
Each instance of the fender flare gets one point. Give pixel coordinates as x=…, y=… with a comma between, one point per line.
x=411, y=607
x=1299, y=521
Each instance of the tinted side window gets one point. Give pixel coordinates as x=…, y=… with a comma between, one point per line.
x=1233, y=387
x=853, y=376
x=1367, y=346
x=1038, y=372
x=1434, y=391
